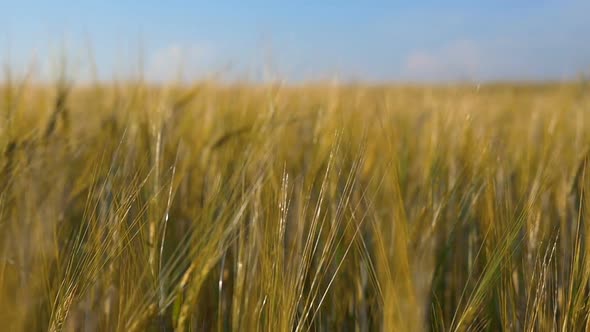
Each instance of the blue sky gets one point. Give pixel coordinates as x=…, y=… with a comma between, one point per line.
x=303, y=40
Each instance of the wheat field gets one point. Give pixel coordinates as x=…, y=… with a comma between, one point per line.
x=272, y=207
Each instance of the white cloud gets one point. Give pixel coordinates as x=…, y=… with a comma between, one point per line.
x=459, y=60
x=178, y=61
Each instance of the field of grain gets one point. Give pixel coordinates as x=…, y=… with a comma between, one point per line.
x=211, y=207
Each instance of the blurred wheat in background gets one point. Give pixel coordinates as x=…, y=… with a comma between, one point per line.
x=132, y=207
